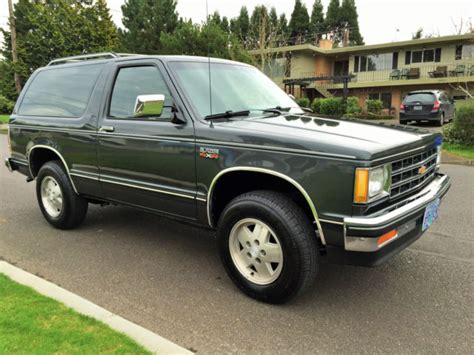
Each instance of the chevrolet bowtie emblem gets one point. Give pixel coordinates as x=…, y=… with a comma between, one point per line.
x=422, y=169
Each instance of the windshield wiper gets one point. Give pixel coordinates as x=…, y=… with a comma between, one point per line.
x=227, y=114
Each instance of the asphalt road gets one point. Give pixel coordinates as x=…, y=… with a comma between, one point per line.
x=167, y=277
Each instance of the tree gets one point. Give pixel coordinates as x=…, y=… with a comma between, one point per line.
x=56, y=28
x=317, y=25
x=350, y=18
x=273, y=17
x=333, y=16
x=144, y=21
x=240, y=26
x=283, y=26
x=299, y=23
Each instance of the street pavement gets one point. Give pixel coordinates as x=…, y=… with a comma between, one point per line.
x=167, y=277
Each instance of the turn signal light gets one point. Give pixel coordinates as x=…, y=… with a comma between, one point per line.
x=361, y=193
x=386, y=237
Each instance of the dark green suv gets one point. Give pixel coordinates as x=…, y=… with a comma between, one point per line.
x=218, y=144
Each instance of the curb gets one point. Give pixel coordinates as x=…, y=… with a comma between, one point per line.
x=149, y=340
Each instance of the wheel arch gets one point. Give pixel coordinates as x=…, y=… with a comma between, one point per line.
x=40, y=154
x=309, y=204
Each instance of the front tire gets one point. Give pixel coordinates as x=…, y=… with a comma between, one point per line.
x=268, y=246
x=60, y=205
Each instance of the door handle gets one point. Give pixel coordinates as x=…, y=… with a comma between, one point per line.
x=106, y=129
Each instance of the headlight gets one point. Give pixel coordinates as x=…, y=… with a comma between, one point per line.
x=372, y=183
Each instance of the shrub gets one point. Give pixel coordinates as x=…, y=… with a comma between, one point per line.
x=374, y=106
x=332, y=106
x=462, y=129
x=303, y=102
x=316, y=105
x=353, y=105
x=6, y=106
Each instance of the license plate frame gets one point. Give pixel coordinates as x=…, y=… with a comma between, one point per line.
x=417, y=108
x=431, y=214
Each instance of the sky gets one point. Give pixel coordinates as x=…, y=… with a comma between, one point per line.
x=379, y=20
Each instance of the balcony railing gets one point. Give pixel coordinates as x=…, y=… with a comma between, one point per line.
x=453, y=72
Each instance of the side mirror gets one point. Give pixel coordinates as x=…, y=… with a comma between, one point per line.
x=149, y=105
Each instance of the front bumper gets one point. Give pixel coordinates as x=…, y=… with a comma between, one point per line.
x=361, y=234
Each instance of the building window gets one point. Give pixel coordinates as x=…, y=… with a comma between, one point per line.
x=464, y=51
x=373, y=62
x=423, y=56
x=385, y=97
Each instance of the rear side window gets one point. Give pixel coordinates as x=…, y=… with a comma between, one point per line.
x=420, y=97
x=60, y=92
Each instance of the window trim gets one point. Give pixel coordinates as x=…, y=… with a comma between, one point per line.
x=437, y=51
x=111, y=85
x=16, y=109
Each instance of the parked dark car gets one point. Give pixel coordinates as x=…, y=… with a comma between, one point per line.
x=216, y=143
x=427, y=105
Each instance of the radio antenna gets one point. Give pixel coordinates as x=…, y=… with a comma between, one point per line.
x=209, y=65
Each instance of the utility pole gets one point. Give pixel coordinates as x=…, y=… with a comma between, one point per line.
x=14, y=51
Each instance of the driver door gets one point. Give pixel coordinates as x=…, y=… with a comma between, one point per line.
x=146, y=161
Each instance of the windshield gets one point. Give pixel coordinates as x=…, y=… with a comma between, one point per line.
x=234, y=88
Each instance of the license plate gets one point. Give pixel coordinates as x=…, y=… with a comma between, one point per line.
x=418, y=108
x=431, y=213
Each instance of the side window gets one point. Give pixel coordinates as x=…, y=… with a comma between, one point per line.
x=60, y=92
x=134, y=81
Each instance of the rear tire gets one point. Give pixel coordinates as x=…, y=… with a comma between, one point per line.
x=60, y=205
x=441, y=120
x=268, y=246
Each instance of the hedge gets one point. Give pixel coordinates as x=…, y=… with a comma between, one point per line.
x=303, y=102
x=6, y=106
x=335, y=106
x=462, y=129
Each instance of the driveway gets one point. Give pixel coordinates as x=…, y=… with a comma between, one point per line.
x=166, y=276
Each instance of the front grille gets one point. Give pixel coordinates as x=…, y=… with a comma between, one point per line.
x=412, y=173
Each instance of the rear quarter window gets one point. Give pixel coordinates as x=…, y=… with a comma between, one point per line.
x=60, y=92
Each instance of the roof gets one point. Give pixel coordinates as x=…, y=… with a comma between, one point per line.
x=469, y=37
x=110, y=56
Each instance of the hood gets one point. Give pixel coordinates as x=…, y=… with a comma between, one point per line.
x=345, y=137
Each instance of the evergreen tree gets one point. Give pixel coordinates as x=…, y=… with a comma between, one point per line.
x=144, y=21
x=333, y=16
x=317, y=25
x=240, y=25
x=350, y=17
x=283, y=26
x=299, y=22
x=274, y=18
x=225, y=24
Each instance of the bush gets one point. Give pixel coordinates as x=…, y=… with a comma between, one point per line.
x=374, y=106
x=353, y=105
x=332, y=106
x=462, y=129
x=6, y=106
x=303, y=102
x=316, y=105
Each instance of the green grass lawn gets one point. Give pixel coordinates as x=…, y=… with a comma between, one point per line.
x=461, y=150
x=4, y=118
x=33, y=324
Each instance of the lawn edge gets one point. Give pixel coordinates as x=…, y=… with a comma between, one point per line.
x=149, y=340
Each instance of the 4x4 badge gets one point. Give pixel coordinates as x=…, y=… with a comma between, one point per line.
x=209, y=153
